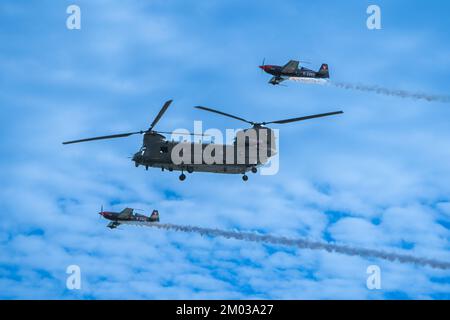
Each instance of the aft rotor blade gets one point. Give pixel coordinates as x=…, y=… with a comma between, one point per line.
x=113, y=136
x=224, y=114
x=183, y=133
x=305, y=118
x=160, y=114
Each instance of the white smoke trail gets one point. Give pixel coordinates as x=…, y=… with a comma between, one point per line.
x=300, y=243
x=391, y=92
x=378, y=90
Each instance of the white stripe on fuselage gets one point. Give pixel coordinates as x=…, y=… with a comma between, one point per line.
x=309, y=80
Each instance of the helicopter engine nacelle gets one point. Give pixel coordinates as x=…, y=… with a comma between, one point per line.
x=258, y=142
x=266, y=143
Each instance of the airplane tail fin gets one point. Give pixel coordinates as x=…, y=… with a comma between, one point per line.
x=324, y=71
x=155, y=216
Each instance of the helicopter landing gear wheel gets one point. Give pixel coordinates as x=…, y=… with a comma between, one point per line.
x=136, y=164
x=182, y=177
x=190, y=170
x=146, y=168
x=245, y=177
x=254, y=169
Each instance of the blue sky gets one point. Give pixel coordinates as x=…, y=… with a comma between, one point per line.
x=376, y=177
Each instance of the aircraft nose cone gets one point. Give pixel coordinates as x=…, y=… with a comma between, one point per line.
x=136, y=157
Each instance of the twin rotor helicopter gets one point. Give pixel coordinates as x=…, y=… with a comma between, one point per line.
x=157, y=151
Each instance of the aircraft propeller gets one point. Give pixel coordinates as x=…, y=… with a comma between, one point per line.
x=263, y=65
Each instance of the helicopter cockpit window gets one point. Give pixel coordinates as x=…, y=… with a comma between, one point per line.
x=164, y=149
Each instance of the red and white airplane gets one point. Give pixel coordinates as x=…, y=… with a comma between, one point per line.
x=127, y=215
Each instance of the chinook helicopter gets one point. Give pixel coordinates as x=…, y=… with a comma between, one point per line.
x=251, y=148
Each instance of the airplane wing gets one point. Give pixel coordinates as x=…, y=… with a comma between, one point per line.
x=125, y=213
x=276, y=80
x=290, y=67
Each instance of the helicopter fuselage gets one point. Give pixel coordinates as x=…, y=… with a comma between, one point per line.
x=237, y=158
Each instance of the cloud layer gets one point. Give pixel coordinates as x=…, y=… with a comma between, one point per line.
x=376, y=177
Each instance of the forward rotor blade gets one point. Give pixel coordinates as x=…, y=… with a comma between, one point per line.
x=304, y=118
x=113, y=136
x=224, y=114
x=160, y=114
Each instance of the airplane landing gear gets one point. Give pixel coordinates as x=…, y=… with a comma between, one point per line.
x=245, y=177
